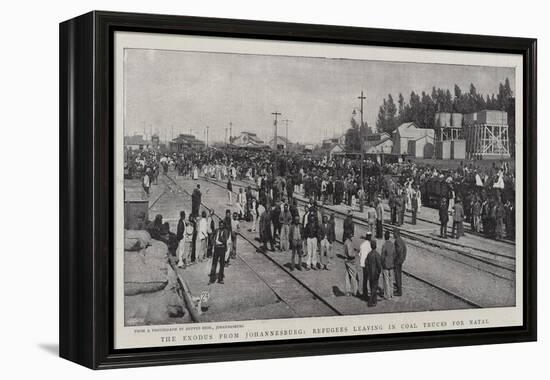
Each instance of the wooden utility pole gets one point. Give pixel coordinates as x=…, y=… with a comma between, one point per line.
x=275, y=133
x=230, y=131
x=286, y=136
x=362, y=97
x=207, y=128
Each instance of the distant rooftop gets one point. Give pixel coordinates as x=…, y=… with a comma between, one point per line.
x=135, y=140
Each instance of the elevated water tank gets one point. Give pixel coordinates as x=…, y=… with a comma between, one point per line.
x=442, y=120
x=456, y=120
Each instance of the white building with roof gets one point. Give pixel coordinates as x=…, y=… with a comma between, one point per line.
x=282, y=143
x=248, y=140
x=411, y=140
x=136, y=142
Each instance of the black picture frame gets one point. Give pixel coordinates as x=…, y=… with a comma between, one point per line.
x=86, y=188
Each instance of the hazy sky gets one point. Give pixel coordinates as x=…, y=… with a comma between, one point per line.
x=189, y=90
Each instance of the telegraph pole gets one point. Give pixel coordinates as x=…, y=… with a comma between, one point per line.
x=286, y=136
x=207, y=128
x=362, y=97
x=230, y=131
x=275, y=125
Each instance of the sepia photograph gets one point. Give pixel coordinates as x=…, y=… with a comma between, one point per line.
x=299, y=193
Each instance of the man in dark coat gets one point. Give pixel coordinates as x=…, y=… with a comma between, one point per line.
x=393, y=207
x=294, y=209
x=326, y=239
x=180, y=231
x=289, y=187
x=400, y=209
x=414, y=205
x=349, y=228
x=265, y=230
x=338, y=191
x=373, y=268
x=510, y=220
x=458, y=220
x=330, y=191
x=296, y=236
x=196, y=200
x=275, y=220
x=400, y=256
x=443, y=218
x=220, y=237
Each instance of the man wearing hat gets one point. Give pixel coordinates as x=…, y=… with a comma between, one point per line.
x=379, y=217
x=311, y=234
x=221, y=236
x=458, y=221
x=399, y=260
x=371, y=273
x=196, y=200
x=443, y=218
x=285, y=220
x=326, y=238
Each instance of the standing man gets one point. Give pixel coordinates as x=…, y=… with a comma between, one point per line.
x=401, y=208
x=248, y=196
x=510, y=219
x=227, y=220
x=379, y=218
x=265, y=229
x=362, y=277
x=296, y=236
x=373, y=267
x=326, y=238
x=399, y=260
x=289, y=187
x=361, y=198
x=393, y=207
x=388, y=263
x=192, y=221
x=146, y=182
x=349, y=228
x=229, y=192
x=353, y=271
x=443, y=218
x=220, y=247
x=180, y=231
x=285, y=220
x=235, y=227
x=253, y=214
x=371, y=219
x=211, y=228
x=415, y=195
x=241, y=203
x=458, y=221
x=330, y=191
x=196, y=200
x=276, y=221
x=202, y=237
x=476, y=215
x=311, y=234
x=180, y=236
x=500, y=214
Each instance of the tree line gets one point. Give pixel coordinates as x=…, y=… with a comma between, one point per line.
x=421, y=108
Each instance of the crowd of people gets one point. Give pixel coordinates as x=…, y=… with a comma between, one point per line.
x=268, y=204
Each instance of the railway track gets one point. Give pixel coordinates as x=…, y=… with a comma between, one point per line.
x=328, y=308
x=502, y=265
x=416, y=277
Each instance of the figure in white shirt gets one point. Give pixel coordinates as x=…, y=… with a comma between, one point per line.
x=202, y=238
